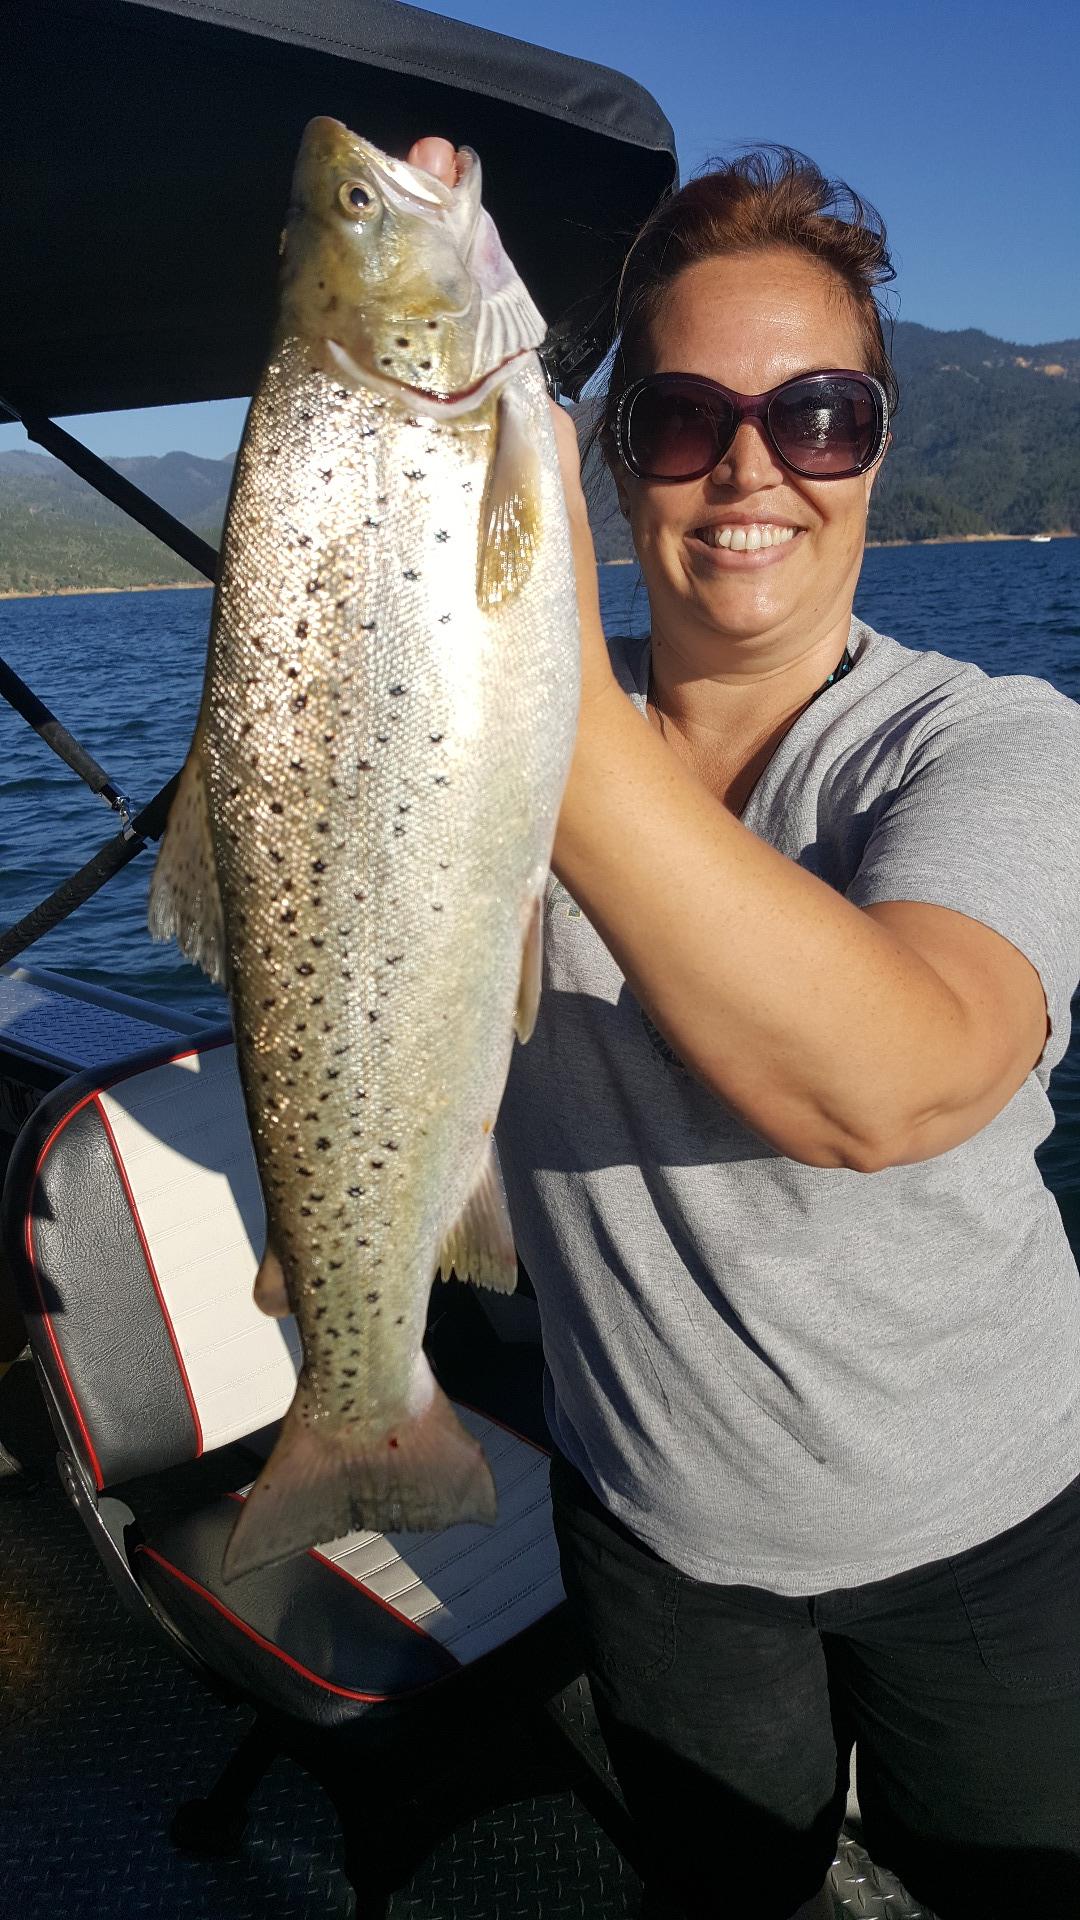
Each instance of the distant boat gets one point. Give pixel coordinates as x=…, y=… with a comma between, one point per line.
x=1038, y=539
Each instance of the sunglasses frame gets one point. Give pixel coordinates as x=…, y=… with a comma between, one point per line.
x=747, y=406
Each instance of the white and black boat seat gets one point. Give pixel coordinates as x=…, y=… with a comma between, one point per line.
x=134, y=1206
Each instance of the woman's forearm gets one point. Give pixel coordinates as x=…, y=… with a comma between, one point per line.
x=827, y=1035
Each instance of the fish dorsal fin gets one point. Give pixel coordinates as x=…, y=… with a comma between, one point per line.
x=510, y=514
x=480, y=1244
x=532, y=968
x=185, y=903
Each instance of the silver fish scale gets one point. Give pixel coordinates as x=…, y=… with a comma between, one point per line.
x=384, y=766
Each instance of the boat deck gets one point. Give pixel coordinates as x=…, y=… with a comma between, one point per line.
x=103, y=1734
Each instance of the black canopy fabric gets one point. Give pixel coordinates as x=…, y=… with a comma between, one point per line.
x=148, y=147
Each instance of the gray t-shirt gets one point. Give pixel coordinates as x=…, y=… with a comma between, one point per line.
x=796, y=1377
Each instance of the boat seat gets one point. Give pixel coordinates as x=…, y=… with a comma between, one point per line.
x=134, y=1218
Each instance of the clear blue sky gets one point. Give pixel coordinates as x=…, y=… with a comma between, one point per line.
x=959, y=121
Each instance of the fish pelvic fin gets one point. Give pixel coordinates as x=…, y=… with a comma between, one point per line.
x=185, y=903
x=326, y=1478
x=510, y=515
x=480, y=1244
x=532, y=970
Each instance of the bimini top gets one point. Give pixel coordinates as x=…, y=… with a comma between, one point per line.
x=148, y=149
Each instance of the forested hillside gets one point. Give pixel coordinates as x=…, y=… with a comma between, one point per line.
x=987, y=440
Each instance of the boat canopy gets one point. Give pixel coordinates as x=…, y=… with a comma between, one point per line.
x=148, y=150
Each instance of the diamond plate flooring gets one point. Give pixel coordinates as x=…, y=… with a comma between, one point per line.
x=103, y=1734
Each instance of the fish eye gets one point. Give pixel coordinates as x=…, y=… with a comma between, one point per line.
x=355, y=199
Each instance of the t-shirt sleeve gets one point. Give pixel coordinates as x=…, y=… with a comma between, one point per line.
x=985, y=819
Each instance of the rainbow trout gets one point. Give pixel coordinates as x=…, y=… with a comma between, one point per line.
x=359, y=843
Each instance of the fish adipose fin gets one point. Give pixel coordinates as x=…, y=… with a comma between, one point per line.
x=185, y=904
x=325, y=1479
x=510, y=515
x=270, y=1293
x=480, y=1244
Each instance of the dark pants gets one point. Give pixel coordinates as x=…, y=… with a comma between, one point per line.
x=730, y=1713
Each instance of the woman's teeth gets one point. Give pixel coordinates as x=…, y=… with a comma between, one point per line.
x=746, y=539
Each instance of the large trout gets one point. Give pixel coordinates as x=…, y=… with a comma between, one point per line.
x=360, y=840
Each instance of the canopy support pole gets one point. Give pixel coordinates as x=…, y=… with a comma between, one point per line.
x=123, y=494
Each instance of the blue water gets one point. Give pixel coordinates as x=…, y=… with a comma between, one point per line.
x=124, y=671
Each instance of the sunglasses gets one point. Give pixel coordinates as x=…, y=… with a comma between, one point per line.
x=824, y=426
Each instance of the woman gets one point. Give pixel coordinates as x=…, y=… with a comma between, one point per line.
x=811, y=1323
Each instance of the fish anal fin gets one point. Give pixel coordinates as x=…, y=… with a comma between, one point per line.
x=480, y=1244
x=270, y=1292
x=185, y=903
x=510, y=514
x=325, y=1479
x=532, y=969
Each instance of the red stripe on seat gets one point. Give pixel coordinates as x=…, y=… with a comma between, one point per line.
x=46, y=1312
x=278, y=1653
x=152, y=1270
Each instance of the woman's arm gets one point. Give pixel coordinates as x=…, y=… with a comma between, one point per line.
x=844, y=1036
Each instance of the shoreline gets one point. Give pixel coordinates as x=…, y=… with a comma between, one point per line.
x=67, y=593
x=626, y=560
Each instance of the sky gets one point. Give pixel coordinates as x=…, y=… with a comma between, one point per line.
x=960, y=122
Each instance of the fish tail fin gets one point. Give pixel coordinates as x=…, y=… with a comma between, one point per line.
x=325, y=1480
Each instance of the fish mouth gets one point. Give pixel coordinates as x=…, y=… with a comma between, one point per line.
x=439, y=406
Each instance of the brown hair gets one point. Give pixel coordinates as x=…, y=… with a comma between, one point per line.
x=770, y=197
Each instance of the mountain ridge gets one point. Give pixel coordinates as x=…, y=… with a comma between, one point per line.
x=986, y=441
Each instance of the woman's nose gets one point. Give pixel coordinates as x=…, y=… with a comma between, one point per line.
x=749, y=462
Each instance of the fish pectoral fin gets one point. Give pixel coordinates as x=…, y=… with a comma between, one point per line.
x=270, y=1293
x=185, y=903
x=480, y=1244
x=532, y=969
x=510, y=515
x=326, y=1478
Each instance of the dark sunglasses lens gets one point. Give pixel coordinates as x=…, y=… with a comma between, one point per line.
x=674, y=433
x=827, y=427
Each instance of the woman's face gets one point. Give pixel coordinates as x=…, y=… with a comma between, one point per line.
x=751, y=321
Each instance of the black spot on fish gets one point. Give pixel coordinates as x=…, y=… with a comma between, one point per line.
x=371, y=1298
x=322, y=826
x=409, y=573
x=393, y=958
x=436, y=906
x=296, y=1053
x=301, y=629
x=367, y=626
x=391, y=1146
x=305, y=967
x=397, y=691
x=313, y=586
x=363, y=766
x=445, y=619
x=327, y=472
x=400, y=1321
x=442, y=535
x=376, y=1164
x=269, y=1003
x=298, y=702
x=399, y=828
x=276, y=806
x=288, y=914
x=333, y=1073
x=372, y=1015
x=442, y=779
x=359, y=896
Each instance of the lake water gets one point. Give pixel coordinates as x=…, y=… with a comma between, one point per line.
x=123, y=673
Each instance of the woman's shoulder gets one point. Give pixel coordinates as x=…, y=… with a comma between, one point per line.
x=925, y=691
